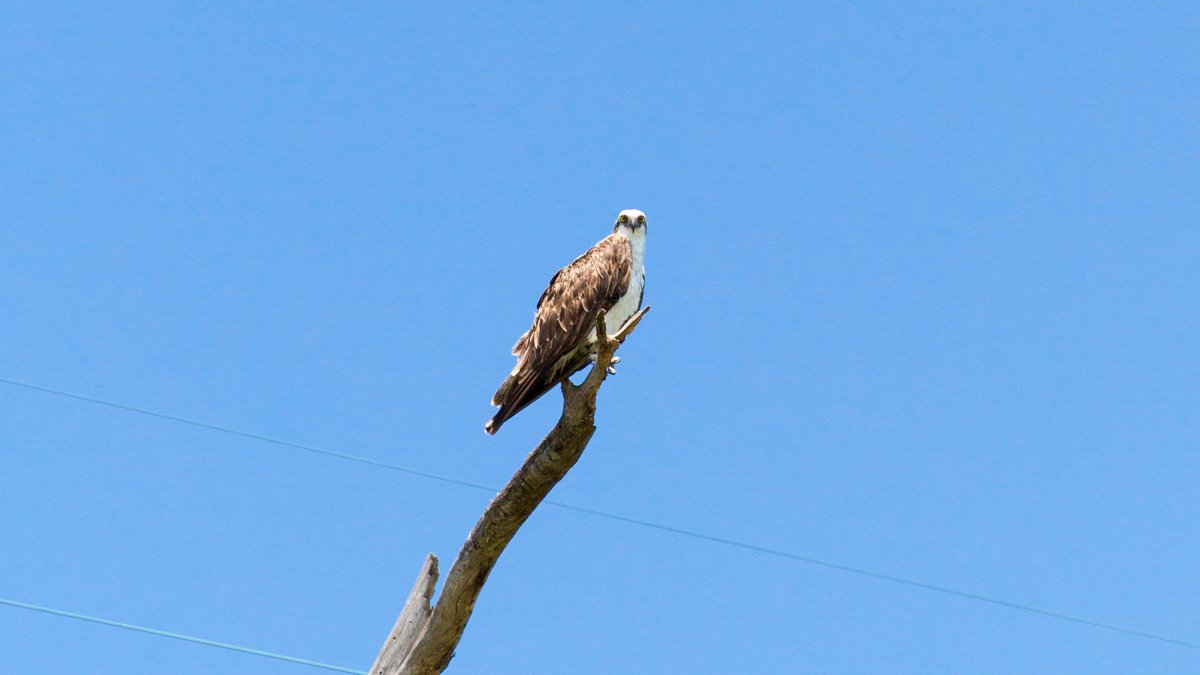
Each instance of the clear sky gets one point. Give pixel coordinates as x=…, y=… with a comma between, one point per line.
x=925, y=294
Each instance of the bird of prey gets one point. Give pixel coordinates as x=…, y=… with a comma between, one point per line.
x=608, y=277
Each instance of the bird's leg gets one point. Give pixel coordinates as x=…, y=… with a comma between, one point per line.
x=612, y=370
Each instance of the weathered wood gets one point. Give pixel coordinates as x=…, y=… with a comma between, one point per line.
x=423, y=640
x=412, y=620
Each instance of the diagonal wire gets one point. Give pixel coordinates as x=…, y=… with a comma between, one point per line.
x=247, y=434
x=626, y=519
x=883, y=577
x=178, y=636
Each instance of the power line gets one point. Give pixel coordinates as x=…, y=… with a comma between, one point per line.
x=887, y=577
x=253, y=436
x=624, y=519
x=178, y=636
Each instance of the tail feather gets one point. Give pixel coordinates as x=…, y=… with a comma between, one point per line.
x=498, y=397
x=521, y=389
x=512, y=401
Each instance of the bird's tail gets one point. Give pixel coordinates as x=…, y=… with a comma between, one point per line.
x=519, y=390
x=523, y=387
x=498, y=399
x=516, y=396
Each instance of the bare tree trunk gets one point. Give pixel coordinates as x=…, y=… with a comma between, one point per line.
x=424, y=638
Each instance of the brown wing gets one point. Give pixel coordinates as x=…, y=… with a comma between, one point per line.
x=566, y=314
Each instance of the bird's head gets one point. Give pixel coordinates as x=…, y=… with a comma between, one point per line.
x=632, y=220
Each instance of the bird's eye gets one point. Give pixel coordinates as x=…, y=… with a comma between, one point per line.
x=624, y=220
x=641, y=220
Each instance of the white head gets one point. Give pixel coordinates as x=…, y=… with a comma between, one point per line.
x=629, y=222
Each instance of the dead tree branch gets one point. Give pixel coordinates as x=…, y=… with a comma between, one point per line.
x=424, y=637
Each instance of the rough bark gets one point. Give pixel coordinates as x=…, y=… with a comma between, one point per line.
x=424, y=637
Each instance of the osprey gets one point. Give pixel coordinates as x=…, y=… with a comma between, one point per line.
x=609, y=277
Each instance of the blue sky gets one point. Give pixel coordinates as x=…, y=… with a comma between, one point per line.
x=925, y=288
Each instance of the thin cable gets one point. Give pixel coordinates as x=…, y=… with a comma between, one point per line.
x=879, y=575
x=625, y=519
x=178, y=636
x=247, y=434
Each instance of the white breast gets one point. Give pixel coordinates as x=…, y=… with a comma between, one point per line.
x=631, y=302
